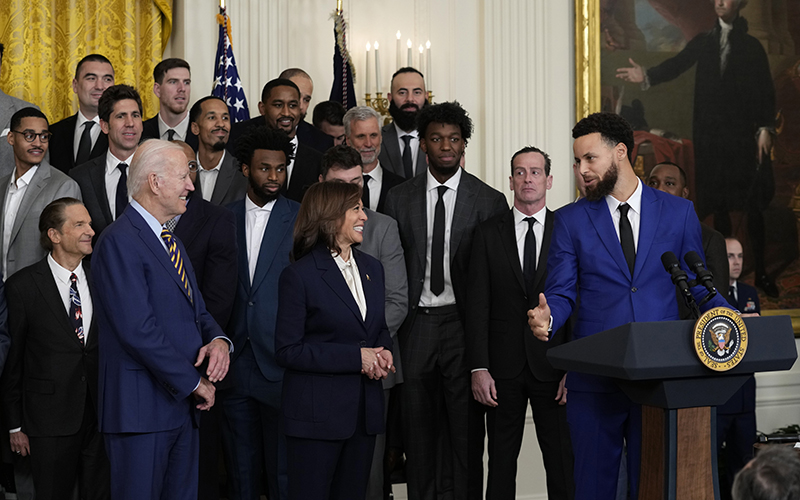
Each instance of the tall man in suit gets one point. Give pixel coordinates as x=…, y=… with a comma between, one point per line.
x=363, y=131
x=401, y=141
x=219, y=179
x=280, y=109
x=736, y=419
x=173, y=87
x=509, y=366
x=54, y=352
x=381, y=240
x=8, y=106
x=306, y=133
x=27, y=190
x=154, y=331
x=437, y=214
x=78, y=138
x=607, y=248
x=103, y=180
x=265, y=223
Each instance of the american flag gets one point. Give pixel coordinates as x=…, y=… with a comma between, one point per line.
x=227, y=84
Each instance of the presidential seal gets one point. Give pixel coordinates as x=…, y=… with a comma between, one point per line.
x=720, y=339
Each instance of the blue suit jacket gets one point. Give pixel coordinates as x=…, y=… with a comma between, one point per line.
x=149, y=330
x=318, y=340
x=586, y=256
x=255, y=307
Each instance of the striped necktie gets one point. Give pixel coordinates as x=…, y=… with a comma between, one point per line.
x=177, y=260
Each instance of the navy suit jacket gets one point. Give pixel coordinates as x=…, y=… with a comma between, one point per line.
x=586, y=257
x=319, y=336
x=149, y=331
x=255, y=306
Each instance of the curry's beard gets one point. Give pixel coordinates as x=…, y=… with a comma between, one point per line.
x=605, y=185
x=406, y=119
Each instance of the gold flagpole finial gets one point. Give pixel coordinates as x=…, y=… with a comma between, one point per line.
x=221, y=4
x=339, y=6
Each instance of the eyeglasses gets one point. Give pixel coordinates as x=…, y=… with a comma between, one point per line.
x=193, y=166
x=31, y=136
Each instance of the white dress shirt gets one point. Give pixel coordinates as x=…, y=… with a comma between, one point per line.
x=94, y=133
x=414, y=143
x=15, y=191
x=447, y=297
x=208, y=178
x=634, y=214
x=375, y=184
x=63, y=283
x=352, y=277
x=256, y=220
x=290, y=165
x=735, y=287
x=521, y=229
x=180, y=129
x=112, y=180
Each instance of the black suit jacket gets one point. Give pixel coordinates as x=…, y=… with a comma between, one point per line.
x=231, y=184
x=209, y=234
x=305, y=172
x=150, y=131
x=62, y=149
x=49, y=374
x=498, y=335
x=390, y=156
x=91, y=179
x=313, y=137
x=407, y=204
x=390, y=180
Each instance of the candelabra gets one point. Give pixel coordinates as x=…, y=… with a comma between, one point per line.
x=381, y=104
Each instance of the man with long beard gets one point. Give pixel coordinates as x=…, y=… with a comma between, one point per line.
x=607, y=248
x=401, y=153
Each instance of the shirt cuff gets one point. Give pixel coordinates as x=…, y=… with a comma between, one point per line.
x=14, y=431
x=480, y=370
x=230, y=345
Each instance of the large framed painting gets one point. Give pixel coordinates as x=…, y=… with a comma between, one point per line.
x=712, y=86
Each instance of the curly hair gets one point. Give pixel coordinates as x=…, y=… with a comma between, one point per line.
x=263, y=138
x=321, y=215
x=613, y=128
x=449, y=113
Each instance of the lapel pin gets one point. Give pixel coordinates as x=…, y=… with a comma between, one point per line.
x=368, y=278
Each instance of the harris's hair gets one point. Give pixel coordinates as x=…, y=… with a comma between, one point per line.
x=532, y=149
x=447, y=113
x=321, y=215
x=112, y=95
x=263, y=137
x=53, y=217
x=613, y=128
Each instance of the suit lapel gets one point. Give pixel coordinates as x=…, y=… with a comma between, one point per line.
x=465, y=202
x=278, y=225
x=241, y=240
x=36, y=186
x=419, y=217
x=49, y=291
x=541, y=265
x=392, y=149
x=648, y=222
x=508, y=238
x=224, y=178
x=604, y=225
x=334, y=279
x=374, y=300
x=97, y=177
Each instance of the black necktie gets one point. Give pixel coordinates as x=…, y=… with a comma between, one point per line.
x=626, y=236
x=85, y=144
x=437, y=245
x=170, y=135
x=365, y=191
x=75, y=313
x=122, y=190
x=529, y=254
x=408, y=167
x=732, y=296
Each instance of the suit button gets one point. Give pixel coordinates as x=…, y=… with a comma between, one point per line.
x=634, y=289
x=413, y=307
x=251, y=304
x=83, y=378
x=363, y=343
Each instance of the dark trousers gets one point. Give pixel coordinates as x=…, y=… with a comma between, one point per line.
x=57, y=462
x=435, y=410
x=251, y=435
x=375, y=486
x=505, y=425
x=210, y=431
x=154, y=465
x=599, y=423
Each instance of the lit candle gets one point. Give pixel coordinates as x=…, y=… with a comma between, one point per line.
x=421, y=59
x=398, y=58
x=410, y=61
x=428, y=64
x=377, y=70
x=369, y=90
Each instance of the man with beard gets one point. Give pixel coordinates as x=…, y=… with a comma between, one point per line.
x=444, y=200
x=280, y=109
x=607, y=248
x=219, y=179
x=307, y=133
x=264, y=223
x=363, y=132
x=401, y=152
x=173, y=87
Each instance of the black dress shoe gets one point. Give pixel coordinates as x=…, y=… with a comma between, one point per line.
x=765, y=283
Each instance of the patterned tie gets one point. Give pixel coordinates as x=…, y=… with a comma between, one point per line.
x=177, y=260
x=122, y=190
x=171, y=224
x=85, y=144
x=408, y=167
x=75, y=313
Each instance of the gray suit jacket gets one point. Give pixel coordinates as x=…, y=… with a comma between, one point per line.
x=382, y=241
x=47, y=184
x=8, y=106
x=231, y=184
x=390, y=156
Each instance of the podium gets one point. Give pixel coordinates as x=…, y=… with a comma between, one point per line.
x=656, y=366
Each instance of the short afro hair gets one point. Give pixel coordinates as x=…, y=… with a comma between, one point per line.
x=447, y=113
x=613, y=128
x=263, y=138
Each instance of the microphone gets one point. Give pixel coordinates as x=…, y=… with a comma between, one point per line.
x=679, y=277
x=704, y=276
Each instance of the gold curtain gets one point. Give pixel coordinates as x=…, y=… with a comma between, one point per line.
x=45, y=39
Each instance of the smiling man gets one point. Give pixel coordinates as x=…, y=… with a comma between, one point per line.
x=401, y=152
x=307, y=134
x=103, y=180
x=437, y=213
x=265, y=221
x=78, y=138
x=173, y=86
